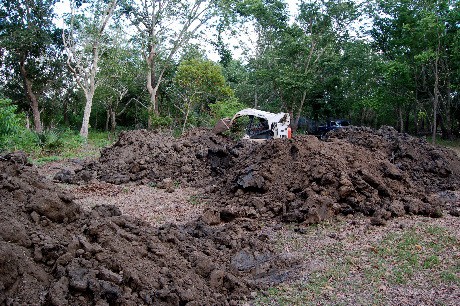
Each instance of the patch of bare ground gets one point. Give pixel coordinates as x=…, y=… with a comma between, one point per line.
x=456, y=150
x=147, y=203
x=413, y=260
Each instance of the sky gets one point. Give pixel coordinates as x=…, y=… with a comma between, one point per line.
x=248, y=40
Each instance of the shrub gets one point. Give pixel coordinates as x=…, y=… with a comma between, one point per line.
x=13, y=133
x=10, y=122
x=225, y=109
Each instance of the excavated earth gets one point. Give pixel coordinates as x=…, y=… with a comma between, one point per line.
x=381, y=173
x=52, y=251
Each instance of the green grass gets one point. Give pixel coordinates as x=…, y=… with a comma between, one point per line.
x=451, y=144
x=69, y=144
x=360, y=274
x=198, y=199
x=415, y=251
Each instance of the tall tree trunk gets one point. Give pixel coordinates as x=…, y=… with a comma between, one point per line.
x=31, y=96
x=296, y=121
x=401, y=120
x=87, y=84
x=65, y=111
x=407, y=122
x=152, y=85
x=449, y=120
x=256, y=96
x=113, y=120
x=107, y=119
x=189, y=104
x=85, y=123
x=89, y=93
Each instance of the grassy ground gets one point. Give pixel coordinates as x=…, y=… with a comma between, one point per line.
x=74, y=147
x=411, y=261
x=452, y=144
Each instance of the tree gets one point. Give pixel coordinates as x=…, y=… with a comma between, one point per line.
x=29, y=47
x=120, y=78
x=153, y=20
x=421, y=35
x=83, y=41
x=296, y=66
x=198, y=84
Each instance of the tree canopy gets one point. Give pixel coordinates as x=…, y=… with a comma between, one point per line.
x=153, y=64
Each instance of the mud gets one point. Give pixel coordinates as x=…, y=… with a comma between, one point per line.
x=54, y=252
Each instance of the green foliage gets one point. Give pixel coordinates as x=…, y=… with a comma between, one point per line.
x=225, y=109
x=161, y=121
x=199, y=83
x=10, y=122
x=415, y=40
x=13, y=134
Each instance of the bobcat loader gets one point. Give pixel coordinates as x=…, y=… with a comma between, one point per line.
x=262, y=125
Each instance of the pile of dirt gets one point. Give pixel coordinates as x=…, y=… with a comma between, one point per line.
x=151, y=157
x=431, y=167
x=380, y=173
x=52, y=252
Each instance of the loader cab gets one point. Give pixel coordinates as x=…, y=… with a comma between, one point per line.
x=258, y=128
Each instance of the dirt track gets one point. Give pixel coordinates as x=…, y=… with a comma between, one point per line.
x=56, y=251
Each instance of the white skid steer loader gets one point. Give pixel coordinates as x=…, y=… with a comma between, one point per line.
x=262, y=125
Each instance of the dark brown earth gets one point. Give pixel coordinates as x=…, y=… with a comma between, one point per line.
x=54, y=252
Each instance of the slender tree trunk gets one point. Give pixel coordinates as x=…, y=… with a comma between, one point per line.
x=436, y=88
x=113, y=120
x=107, y=119
x=85, y=123
x=401, y=120
x=31, y=96
x=256, y=96
x=186, y=115
x=302, y=102
x=89, y=93
x=449, y=120
x=152, y=85
x=65, y=114
x=87, y=84
x=407, y=121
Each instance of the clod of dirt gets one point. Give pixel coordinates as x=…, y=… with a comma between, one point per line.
x=54, y=253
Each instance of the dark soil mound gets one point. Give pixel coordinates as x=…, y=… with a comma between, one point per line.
x=308, y=180
x=53, y=253
x=150, y=157
x=431, y=167
x=379, y=173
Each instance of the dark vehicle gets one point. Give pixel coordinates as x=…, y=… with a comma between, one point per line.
x=331, y=125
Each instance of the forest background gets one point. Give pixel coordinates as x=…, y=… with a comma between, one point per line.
x=111, y=65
